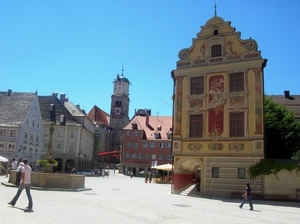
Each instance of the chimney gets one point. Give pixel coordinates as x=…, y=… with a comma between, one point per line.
x=9, y=92
x=147, y=117
x=54, y=94
x=287, y=94
x=62, y=98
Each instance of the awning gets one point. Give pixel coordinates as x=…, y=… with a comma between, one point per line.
x=167, y=167
x=109, y=153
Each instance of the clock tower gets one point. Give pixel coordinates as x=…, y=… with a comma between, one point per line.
x=119, y=111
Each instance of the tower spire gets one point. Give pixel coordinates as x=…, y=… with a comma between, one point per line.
x=122, y=68
x=215, y=8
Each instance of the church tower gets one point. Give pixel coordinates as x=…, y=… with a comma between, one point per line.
x=119, y=111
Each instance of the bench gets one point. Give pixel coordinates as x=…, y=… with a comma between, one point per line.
x=297, y=194
x=238, y=194
x=275, y=196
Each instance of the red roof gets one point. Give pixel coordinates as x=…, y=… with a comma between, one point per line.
x=98, y=115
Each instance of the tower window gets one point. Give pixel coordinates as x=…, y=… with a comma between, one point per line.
x=216, y=32
x=216, y=50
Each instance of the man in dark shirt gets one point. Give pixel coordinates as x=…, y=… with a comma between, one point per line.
x=247, y=196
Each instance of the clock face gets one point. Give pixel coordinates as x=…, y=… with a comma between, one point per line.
x=117, y=110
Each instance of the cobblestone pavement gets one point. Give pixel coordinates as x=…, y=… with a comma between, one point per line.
x=121, y=199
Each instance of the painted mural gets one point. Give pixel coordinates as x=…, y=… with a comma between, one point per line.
x=217, y=100
x=178, y=105
x=258, y=101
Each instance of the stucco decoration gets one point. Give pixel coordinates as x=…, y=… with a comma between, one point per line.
x=215, y=146
x=176, y=146
x=259, y=145
x=251, y=46
x=233, y=47
x=195, y=146
x=217, y=100
x=183, y=55
x=196, y=104
x=236, y=146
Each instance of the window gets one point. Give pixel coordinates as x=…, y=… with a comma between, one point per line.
x=11, y=147
x=152, y=145
x=127, y=155
x=168, y=145
x=72, y=134
x=38, y=125
x=128, y=144
x=36, y=150
x=140, y=156
x=169, y=135
x=153, y=156
x=196, y=125
x=127, y=133
x=37, y=138
x=197, y=85
x=46, y=132
x=59, y=133
x=133, y=156
x=58, y=147
x=12, y=133
x=31, y=137
x=26, y=135
x=237, y=124
x=216, y=50
x=145, y=144
x=33, y=122
x=161, y=145
x=215, y=172
x=30, y=150
x=45, y=147
x=147, y=156
x=27, y=121
x=169, y=157
x=160, y=157
x=135, y=145
x=236, y=82
x=71, y=148
x=241, y=173
x=136, y=133
x=157, y=135
x=24, y=149
x=2, y=145
x=3, y=132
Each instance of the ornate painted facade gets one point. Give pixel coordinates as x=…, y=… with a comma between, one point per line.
x=218, y=111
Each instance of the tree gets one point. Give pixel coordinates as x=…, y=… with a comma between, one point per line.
x=282, y=131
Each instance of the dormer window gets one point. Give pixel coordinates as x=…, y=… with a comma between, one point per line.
x=169, y=135
x=216, y=50
x=134, y=125
x=157, y=135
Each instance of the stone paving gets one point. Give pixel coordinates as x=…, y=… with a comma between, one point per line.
x=121, y=199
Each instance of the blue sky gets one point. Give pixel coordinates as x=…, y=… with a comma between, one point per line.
x=79, y=47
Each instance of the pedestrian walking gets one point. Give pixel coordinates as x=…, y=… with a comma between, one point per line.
x=131, y=174
x=247, y=196
x=25, y=183
x=19, y=173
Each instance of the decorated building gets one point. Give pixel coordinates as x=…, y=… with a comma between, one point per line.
x=218, y=111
